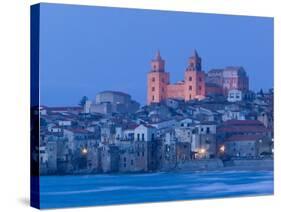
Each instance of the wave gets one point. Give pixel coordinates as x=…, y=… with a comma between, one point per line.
x=259, y=187
x=114, y=188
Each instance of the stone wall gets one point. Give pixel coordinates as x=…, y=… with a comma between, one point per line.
x=257, y=164
x=200, y=165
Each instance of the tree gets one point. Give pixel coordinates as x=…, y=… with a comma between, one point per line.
x=83, y=101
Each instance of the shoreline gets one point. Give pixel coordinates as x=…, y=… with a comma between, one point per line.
x=251, y=165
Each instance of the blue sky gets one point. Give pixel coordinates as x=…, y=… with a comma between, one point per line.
x=85, y=49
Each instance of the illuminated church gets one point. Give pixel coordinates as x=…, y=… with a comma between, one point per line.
x=158, y=81
x=196, y=84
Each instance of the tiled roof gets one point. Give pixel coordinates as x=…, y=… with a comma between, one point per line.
x=131, y=126
x=242, y=129
x=243, y=126
x=244, y=138
x=147, y=125
x=243, y=122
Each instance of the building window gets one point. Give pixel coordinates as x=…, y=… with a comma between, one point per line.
x=208, y=130
x=142, y=154
x=162, y=89
x=200, y=79
x=190, y=88
x=132, y=162
x=142, y=136
x=153, y=89
x=200, y=88
x=152, y=98
x=138, y=136
x=124, y=159
x=153, y=79
x=163, y=80
x=189, y=96
x=190, y=78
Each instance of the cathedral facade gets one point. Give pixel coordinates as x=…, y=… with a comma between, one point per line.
x=158, y=81
x=196, y=83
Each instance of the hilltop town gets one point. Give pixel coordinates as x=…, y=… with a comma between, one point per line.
x=208, y=121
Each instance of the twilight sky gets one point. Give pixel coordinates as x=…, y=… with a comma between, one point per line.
x=85, y=49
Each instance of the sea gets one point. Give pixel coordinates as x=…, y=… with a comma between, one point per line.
x=109, y=189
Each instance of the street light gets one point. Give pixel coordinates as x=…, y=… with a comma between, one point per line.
x=84, y=151
x=202, y=151
x=222, y=149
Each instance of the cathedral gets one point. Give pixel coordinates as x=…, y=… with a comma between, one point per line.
x=196, y=83
x=159, y=87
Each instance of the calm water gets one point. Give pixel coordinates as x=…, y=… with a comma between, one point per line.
x=70, y=191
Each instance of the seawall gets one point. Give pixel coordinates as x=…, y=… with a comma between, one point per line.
x=219, y=165
x=264, y=164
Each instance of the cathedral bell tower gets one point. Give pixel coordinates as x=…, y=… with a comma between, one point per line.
x=157, y=80
x=194, y=78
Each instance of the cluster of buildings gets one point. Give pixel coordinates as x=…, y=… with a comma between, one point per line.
x=207, y=116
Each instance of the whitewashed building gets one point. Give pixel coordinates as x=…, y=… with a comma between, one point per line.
x=144, y=133
x=235, y=96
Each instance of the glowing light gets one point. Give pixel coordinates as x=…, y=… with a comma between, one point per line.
x=84, y=151
x=202, y=151
x=222, y=148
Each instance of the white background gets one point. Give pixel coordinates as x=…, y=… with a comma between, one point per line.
x=14, y=102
